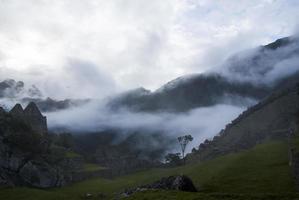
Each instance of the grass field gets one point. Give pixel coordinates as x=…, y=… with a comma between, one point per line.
x=259, y=173
x=90, y=167
x=71, y=154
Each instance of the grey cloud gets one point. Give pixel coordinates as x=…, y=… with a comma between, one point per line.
x=262, y=65
x=89, y=80
x=283, y=69
x=139, y=42
x=202, y=123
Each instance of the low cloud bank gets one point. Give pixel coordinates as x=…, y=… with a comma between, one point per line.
x=202, y=123
x=263, y=65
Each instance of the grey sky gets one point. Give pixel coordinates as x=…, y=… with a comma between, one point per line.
x=93, y=48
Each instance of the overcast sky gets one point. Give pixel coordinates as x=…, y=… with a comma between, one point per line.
x=93, y=48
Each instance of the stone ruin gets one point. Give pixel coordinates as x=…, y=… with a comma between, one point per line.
x=31, y=115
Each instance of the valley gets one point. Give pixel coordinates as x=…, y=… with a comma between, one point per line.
x=264, y=169
x=229, y=133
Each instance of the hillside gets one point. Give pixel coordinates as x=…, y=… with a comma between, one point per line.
x=272, y=118
x=185, y=93
x=259, y=173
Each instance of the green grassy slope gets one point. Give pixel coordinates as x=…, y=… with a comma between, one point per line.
x=259, y=173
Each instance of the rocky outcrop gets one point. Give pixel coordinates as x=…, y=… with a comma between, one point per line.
x=180, y=183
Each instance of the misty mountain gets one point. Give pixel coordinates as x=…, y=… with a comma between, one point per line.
x=266, y=64
x=185, y=93
x=243, y=79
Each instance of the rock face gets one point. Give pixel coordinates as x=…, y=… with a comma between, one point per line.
x=181, y=183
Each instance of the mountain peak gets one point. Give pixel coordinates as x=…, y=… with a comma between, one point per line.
x=279, y=43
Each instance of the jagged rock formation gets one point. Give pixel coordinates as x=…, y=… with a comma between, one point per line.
x=32, y=116
x=269, y=119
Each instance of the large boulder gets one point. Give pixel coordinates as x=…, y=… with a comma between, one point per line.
x=181, y=183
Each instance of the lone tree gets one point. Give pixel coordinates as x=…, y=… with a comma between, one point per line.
x=184, y=140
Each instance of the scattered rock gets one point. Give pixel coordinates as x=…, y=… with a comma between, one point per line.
x=88, y=196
